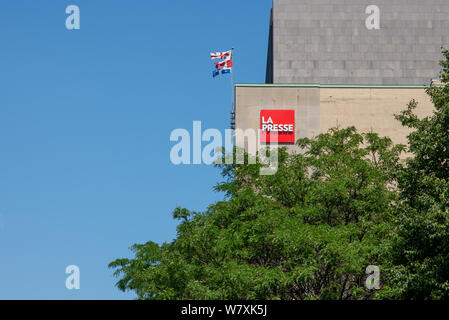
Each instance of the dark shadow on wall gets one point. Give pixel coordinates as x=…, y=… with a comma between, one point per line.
x=269, y=73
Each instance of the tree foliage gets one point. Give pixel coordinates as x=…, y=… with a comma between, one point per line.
x=419, y=253
x=307, y=232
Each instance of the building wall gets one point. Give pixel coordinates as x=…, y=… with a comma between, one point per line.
x=327, y=42
x=371, y=109
x=319, y=108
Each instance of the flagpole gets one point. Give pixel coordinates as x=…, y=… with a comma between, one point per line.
x=232, y=81
x=232, y=92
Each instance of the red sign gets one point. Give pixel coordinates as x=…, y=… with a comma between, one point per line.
x=280, y=123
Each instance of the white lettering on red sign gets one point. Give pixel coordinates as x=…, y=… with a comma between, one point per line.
x=277, y=122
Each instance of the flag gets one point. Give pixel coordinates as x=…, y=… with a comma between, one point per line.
x=221, y=71
x=221, y=55
x=224, y=64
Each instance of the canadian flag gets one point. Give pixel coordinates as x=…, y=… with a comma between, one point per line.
x=224, y=64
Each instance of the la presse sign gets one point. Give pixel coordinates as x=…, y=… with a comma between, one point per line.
x=277, y=123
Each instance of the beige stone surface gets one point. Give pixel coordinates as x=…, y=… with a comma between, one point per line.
x=371, y=109
x=317, y=109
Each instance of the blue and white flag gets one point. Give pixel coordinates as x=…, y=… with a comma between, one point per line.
x=221, y=71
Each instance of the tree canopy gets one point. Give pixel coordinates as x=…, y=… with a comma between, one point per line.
x=307, y=232
x=419, y=254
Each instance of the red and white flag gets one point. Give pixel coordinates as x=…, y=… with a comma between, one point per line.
x=224, y=64
x=221, y=55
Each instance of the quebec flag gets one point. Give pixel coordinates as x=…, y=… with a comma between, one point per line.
x=221, y=71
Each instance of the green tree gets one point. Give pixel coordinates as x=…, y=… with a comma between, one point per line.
x=419, y=253
x=307, y=232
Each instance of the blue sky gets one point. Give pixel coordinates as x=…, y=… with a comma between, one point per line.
x=85, y=121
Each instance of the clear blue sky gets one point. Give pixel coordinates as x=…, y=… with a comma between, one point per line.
x=85, y=120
